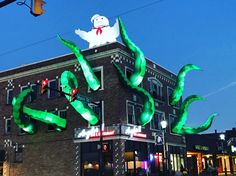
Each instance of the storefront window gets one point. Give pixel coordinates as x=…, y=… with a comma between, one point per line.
x=90, y=159
x=136, y=160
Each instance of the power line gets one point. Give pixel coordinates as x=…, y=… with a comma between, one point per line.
x=53, y=37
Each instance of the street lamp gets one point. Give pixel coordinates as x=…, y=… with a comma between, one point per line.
x=165, y=159
x=222, y=139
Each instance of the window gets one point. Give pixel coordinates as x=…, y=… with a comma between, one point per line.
x=18, y=158
x=133, y=113
x=98, y=110
x=156, y=120
x=8, y=126
x=171, y=121
x=98, y=71
x=24, y=88
x=169, y=93
x=62, y=114
x=9, y=96
x=52, y=93
x=155, y=88
x=128, y=72
x=27, y=119
x=34, y=95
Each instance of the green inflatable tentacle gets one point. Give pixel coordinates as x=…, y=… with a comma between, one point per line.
x=180, y=128
x=19, y=109
x=140, y=61
x=89, y=75
x=68, y=82
x=149, y=106
x=178, y=91
x=203, y=127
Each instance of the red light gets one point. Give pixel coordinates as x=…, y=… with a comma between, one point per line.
x=73, y=94
x=104, y=134
x=44, y=86
x=140, y=135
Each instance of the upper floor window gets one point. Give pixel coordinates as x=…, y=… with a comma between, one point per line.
x=7, y=129
x=133, y=113
x=9, y=96
x=52, y=84
x=34, y=95
x=98, y=109
x=62, y=114
x=98, y=71
x=171, y=122
x=128, y=72
x=169, y=93
x=156, y=120
x=155, y=88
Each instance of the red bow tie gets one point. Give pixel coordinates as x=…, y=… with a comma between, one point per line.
x=99, y=30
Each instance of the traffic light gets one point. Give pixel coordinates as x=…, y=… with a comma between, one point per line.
x=36, y=7
x=44, y=86
x=73, y=94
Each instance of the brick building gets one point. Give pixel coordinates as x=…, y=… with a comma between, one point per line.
x=52, y=153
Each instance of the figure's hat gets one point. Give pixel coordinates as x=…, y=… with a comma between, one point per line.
x=94, y=16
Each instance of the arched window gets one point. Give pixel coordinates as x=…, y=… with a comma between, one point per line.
x=155, y=88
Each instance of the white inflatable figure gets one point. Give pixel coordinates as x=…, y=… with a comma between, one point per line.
x=101, y=33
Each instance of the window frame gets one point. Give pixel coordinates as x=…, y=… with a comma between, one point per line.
x=8, y=100
x=97, y=69
x=101, y=111
x=135, y=107
x=49, y=90
x=155, y=81
x=6, y=132
x=164, y=118
x=175, y=116
x=168, y=95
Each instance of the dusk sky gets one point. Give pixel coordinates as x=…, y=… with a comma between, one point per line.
x=170, y=32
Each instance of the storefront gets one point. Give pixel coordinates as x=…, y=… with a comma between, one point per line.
x=125, y=150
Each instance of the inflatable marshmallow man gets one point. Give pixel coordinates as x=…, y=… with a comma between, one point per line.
x=101, y=33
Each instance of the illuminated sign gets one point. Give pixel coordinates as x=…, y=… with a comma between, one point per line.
x=92, y=132
x=200, y=147
x=233, y=149
x=140, y=135
x=131, y=130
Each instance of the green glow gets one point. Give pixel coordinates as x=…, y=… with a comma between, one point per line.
x=19, y=109
x=68, y=82
x=89, y=75
x=178, y=91
x=149, y=106
x=18, y=114
x=140, y=62
x=180, y=127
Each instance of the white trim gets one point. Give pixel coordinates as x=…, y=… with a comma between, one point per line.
x=95, y=69
x=5, y=126
x=62, y=110
x=49, y=90
x=102, y=110
x=128, y=68
x=22, y=87
x=133, y=104
x=175, y=116
x=8, y=90
x=114, y=138
x=176, y=106
x=164, y=118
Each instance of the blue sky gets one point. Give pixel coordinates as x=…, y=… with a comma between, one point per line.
x=171, y=32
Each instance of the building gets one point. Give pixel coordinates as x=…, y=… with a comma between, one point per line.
x=126, y=147
x=204, y=150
